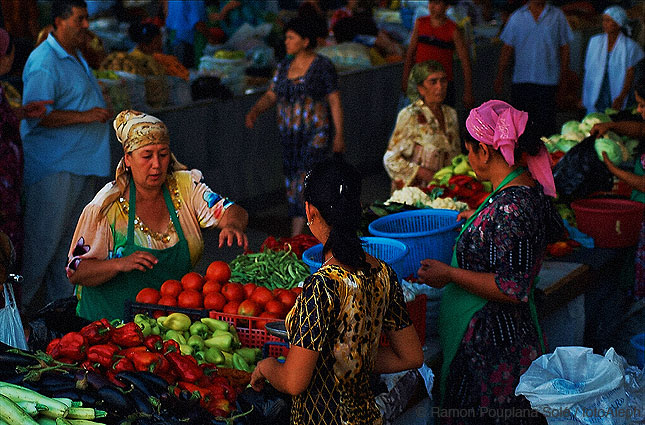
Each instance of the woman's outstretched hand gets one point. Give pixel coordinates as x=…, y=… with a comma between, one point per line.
x=434, y=273
x=465, y=215
x=230, y=234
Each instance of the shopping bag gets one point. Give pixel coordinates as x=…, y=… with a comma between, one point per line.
x=11, y=330
x=573, y=385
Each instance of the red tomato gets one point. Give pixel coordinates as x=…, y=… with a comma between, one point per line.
x=296, y=290
x=276, y=291
x=268, y=318
x=192, y=280
x=277, y=308
x=262, y=295
x=190, y=298
x=148, y=296
x=248, y=308
x=168, y=300
x=248, y=289
x=231, y=307
x=211, y=286
x=171, y=287
x=287, y=298
x=214, y=301
x=233, y=291
x=219, y=271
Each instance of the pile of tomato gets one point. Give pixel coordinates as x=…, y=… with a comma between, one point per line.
x=214, y=291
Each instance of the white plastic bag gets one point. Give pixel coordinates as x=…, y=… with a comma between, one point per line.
x=11, y=330
x=573, y=385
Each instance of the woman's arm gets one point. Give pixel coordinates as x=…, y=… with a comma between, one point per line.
x=292, y=377
x=403, y=353
x=464, y=57
x=504, y=61
x=633, y=129
x=627, y=85
x=92, y=272
x=437, y=274
x=337, y=116
x=409, y=59
x=232, y=225
x=633, y=180
x=265, y=102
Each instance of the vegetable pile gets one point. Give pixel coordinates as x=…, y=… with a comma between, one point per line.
x=273, y=269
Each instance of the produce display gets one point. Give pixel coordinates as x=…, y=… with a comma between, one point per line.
x=220, y=289
x=297, y=244
x=172, y=65
x=273, y=269
x=139, y=64
x=411, y=195
x=204, y=358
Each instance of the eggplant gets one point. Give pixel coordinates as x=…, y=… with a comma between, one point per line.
x=94, y=379
x=141, y=384
x=11, y=360
x=156, y=381
x=89, y=398
x=113, y=400
x=141, y=401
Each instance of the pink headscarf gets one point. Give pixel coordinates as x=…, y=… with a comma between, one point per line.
x=498, y=124
x=4, y=41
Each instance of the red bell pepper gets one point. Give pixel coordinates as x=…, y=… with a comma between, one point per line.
x=73, y=346
x=97, y=332
x=53, y=348
x=123, y=365
x=111, y=376
x=128, y=335
x=186, y=367
x=146, y=361
x=559, y=249
x=129, y=352
x=89, y=366
x=103, y=354
x=170, y=346
x=204, y=393
x=153, y=343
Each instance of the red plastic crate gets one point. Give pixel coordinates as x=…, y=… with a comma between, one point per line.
x=252, y=332
x=417, y=311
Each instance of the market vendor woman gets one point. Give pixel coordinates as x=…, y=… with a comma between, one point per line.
x=145, y=226
x=487, y=323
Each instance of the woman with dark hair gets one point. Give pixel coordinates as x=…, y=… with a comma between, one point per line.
x=487, y=324
x=147, y=36
x=335, y=326
x=310, y=117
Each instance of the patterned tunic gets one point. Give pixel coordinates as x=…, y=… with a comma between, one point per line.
x=418, y=141
x=304, y=122
x=11, y=162
x=341, y=315
x=508, y=238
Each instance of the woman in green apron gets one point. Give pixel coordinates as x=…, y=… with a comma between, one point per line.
x=487, y=324
x=144, y=227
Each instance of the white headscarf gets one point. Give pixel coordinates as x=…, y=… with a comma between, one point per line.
x=619, y=16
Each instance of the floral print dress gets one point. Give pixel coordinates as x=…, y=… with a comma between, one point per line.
x=508, y=238
x=11, y=163
x=419, y=141
x=304, y=123
x=341, y=315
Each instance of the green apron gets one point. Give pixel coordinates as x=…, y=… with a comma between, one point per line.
x=458, y=306
x=108, y=300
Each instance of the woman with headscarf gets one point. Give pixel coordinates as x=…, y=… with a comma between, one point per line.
x=426, y=134
x=487, y=324
x=609, y=63
x=144, y=227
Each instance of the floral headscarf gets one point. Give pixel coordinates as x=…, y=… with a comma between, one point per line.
x=135, y=130
x=418, y=75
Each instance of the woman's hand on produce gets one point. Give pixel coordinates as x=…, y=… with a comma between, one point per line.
x=257, y=378
x=230, y=234
x=610, y=165
x=600, y=128
x=138, y=260
x=465, y=215
x=434, y=273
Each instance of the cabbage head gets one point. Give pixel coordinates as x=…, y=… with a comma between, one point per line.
x=631, y=145
x=592, y=119
x=570, y=127
x=551, y=143
x=614, y=153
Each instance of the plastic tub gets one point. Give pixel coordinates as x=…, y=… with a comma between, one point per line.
x=429, y=233
x=638, y=342
x=612, y=223
x=389, y=250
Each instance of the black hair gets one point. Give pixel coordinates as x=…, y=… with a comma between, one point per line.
x=639, y=88
x=143, y=33
x=307, y=27
x=63, y=8
x=333, y=186
x=345, y=30
x=529, y=142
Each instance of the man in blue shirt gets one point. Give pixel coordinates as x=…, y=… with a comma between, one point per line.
x=67, y=153
x=538, y=35
x=181, y=18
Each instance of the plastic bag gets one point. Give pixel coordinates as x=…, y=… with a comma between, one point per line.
x=580, y=173
x=573, y=385
x=11, y=330
x=269, y=406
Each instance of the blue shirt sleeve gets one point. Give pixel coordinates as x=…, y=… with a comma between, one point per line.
x=564, y=29
x=38, y=85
